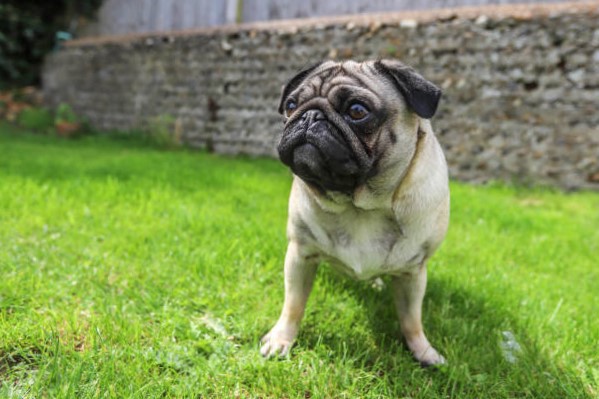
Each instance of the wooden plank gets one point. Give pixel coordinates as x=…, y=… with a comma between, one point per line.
x=139, y=16
x=231, y=11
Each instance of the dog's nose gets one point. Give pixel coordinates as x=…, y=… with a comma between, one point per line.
x=313, y=115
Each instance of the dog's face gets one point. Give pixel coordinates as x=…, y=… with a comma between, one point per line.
x=349, y=122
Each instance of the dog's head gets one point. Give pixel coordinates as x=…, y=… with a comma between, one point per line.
x=347, y=122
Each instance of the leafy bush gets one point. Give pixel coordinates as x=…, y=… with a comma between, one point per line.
x=36, y=118
x=24, y=39
x=13, y=102
x=27, y=33
x=64, y=113
x=67, y=123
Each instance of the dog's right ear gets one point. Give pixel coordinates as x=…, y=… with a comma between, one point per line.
x=294, y=82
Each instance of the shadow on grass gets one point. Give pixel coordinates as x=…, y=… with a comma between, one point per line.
x=465, y=327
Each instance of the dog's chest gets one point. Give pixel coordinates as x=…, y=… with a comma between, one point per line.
x=365, y=244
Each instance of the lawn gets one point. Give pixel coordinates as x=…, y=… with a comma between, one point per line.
x=128, y=271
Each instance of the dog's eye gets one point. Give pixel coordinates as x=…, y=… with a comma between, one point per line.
x=290, y=107
x=357, y=111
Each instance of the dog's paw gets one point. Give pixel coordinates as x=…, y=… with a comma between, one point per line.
x=429, y=358
x=276, y=343
x=424, y=352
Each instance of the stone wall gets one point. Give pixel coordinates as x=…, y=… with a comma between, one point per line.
x=521, y=83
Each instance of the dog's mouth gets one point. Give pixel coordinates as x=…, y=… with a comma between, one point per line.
x=317, y=153
x=318, y=169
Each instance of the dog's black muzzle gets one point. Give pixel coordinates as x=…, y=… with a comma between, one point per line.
x=317, y=152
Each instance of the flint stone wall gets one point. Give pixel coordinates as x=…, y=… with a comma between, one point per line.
x=521, y=83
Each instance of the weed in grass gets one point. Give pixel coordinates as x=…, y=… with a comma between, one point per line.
x=132, y=272
x=165, y=131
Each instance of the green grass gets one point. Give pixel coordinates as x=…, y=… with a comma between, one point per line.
x=132, y=272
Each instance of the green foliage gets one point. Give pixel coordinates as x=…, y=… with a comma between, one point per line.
x=27, y=33
x=64, y=113
x=164, y=131
x=129, y=272
x=39, y=119
x=23, y=42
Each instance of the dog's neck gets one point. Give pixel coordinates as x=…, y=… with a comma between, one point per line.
x=379, y=192
x=382, y=192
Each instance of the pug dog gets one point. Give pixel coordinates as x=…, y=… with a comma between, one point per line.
x=370, y=189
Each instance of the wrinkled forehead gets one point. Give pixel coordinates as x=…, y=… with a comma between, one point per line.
x=333, y=78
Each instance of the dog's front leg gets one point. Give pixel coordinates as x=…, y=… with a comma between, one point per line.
x=300, y=270
x=408, y=290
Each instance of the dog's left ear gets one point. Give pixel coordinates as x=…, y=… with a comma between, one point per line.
x=294, y=82
x=421, y=95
